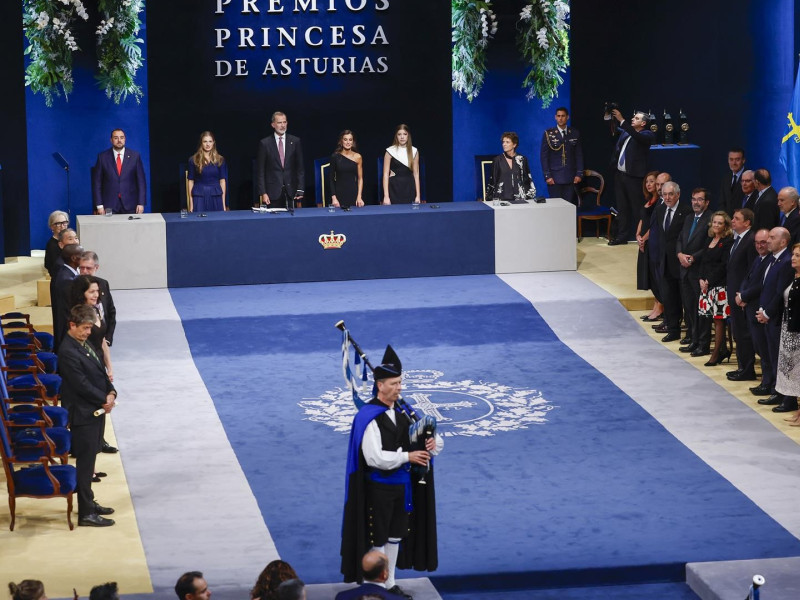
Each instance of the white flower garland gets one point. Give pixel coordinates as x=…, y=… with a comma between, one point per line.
x=542, y=37
x=474, y=24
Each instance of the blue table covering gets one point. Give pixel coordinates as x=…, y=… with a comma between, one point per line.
x=243, y=247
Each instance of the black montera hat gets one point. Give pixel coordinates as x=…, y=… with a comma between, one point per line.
x=390, y=366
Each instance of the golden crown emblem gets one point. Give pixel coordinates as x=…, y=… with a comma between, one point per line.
x=332, y=240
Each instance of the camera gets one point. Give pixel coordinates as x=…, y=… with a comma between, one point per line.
x=607, y=108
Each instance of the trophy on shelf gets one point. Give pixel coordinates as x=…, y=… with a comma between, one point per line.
x=668, y=129
x=683, y=136
x=652, y=123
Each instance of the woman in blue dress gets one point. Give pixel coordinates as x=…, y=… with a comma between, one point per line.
x=208, y=177
x=347, y=179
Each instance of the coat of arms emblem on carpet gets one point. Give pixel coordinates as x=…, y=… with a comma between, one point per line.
x=462, y=408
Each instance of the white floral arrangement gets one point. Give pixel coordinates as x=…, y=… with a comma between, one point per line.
x=543, y=40
x=118, y=48
x=474, y=24
x=48, y=27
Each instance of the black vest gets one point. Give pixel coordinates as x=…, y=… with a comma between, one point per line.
x=392, y=436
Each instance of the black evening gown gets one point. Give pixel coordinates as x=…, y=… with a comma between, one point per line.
x=344, y=180
x=643, y=260
x=402, y=189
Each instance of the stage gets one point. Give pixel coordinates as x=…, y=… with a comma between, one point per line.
x=313, y=244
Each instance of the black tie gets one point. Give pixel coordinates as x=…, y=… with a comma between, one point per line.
x=733, y=183
x=735, y=243
x=668, y=220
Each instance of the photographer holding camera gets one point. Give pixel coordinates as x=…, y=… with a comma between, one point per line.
x=630, y=163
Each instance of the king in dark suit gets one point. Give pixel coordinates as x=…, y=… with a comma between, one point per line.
x=630, y=164
x=118, y=179
x=88, y=395
x=561, y=156
x=280, y=175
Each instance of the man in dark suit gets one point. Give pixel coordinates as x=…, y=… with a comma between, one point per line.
x=630, y=164
x=89, y=265
x=743, y=253
x=561, y=156
x=118, y=178
x=749, y=194
x=747, y=298
x=376, y=571
x=765, y=206
x=690, y=247
x=88, y=395
x=731, y=189
x=670, y=217
x=59, y=291
x=777, y=276
x=787, y=203
x=280, y=175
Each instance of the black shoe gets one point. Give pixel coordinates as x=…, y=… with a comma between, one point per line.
x=761, y=390
x=396, y=589
x=701, y=352
x=736, y=372
x=108, y=448
x=100, y=474
x=94, y=520
x=617, y=242
x=742, y=376
x=661, y=329
x=772, y=400
x=102, y=510
x=96, y=479
x=647, y=319
x=790, y=406
x=686, y=340
x=671, y=337
x=691, y=348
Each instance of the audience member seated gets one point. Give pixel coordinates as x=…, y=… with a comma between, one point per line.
x=291, y=589
x=27, y=589
x=106, y=591
x=58, y=222
x=192, y=586
x=713, y=296
x=375, y=566
x=271, y=577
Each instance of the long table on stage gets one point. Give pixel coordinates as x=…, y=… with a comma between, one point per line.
x=313, y=244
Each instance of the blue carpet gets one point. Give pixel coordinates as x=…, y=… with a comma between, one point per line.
x=591, y=483
x=652, y=591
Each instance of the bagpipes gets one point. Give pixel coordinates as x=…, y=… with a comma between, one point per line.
x=420, y=429
x=755, y=593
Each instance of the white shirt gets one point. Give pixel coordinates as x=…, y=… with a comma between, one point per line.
x=401, y=154
x=387, y=460
x=121, y=154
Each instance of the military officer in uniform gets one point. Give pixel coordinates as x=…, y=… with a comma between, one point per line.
x=562, y=158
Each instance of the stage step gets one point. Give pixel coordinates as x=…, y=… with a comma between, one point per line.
x=7, y=303
x=43, y=292
x=732, y=579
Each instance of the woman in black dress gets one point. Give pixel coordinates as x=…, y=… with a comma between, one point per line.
x=86, y=290
x=713, y=296
x=57, y=222
x=511, y=175
x=346, y=175
x=401, y=170
x=645, y=278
